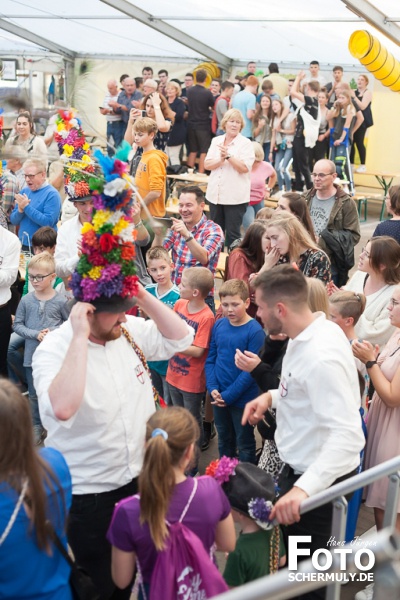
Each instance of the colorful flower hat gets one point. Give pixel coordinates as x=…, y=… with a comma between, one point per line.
x=250, y=490
x=105, y=275
x=75, y=152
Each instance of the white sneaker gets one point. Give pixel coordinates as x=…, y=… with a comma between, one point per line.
x=365, y=594
x=361, y=169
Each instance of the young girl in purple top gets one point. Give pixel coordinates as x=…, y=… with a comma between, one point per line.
x=138, y=530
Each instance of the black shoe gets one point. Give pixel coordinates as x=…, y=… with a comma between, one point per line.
x=209, y=434
x=213, y=430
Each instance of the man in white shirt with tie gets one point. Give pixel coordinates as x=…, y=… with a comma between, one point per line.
x=319, y=435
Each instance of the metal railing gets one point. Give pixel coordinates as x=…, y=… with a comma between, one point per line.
x=386, y=548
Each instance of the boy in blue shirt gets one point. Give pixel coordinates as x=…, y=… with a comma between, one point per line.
x=231, y=388
x=160, y=267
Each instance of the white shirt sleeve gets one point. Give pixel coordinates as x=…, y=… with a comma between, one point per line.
x=341, y=442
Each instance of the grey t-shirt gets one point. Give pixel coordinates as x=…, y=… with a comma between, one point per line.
x=33, y=315
x=320, y=211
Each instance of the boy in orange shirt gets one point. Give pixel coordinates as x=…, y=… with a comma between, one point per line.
x=151, y=173
x=185, y=375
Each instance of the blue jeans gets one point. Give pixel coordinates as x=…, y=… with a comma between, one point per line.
x=233, y=435
x=192, y=402
x=15, y=359
x=161, y=385
x=250, y=214
x=115, y=129
x=342, y=151
x=282, y=160
x=33, y=400
x=267, y=150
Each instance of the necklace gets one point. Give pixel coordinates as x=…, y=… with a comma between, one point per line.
x=15, y=513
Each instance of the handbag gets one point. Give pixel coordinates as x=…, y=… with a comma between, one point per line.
x=267, y=426
x=81, y=584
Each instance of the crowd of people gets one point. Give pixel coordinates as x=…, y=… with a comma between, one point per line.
x=115, y=313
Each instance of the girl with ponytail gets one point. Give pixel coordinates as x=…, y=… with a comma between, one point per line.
x=139, y=528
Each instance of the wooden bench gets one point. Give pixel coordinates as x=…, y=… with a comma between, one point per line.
x=362, y=199
x=220, y=270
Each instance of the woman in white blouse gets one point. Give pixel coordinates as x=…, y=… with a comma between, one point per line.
x=32, y=144
x=230, y=159
x=377, y=275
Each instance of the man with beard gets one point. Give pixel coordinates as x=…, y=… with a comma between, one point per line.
x=92, y=378
x=318, y=435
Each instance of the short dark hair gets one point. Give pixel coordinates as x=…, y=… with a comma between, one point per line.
x=234, y=287
x=285, y=283
x=314, y=62
x=227, y=85
x=194, y=189
x=124, y=76
x=273, y=68
x=338, y=68
x=201, y=75
x=162, y=71
x=45, y=236
x=189, y=75
x=147, y=69
x=138, y=81
x=291, y=79
x=251, y=62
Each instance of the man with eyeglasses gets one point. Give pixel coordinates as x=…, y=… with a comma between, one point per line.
x=335, y=219
x=37, y=205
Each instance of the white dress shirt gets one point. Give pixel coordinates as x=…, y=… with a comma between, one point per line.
x=10, y=250
x=319, y=429
x=66, y=254
x=225, y=184
x=103, y=441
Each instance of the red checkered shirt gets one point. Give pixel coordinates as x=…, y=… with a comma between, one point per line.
x=208, y=234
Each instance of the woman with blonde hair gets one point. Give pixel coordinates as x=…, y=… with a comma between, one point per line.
x=293, y=243
x=35, y=496
x=317, y=297
x=139, y=528
x=230, y=159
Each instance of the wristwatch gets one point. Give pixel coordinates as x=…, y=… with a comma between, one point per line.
x=371, y=363
x=189, y=239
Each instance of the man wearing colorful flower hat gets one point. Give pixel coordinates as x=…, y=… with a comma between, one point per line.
x=92, y=378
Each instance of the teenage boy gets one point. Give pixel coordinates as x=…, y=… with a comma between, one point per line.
x=160, y=268
x=185, y=375
x=38, y=313
x=221, y=106
x=151, y=174
x=231, y=388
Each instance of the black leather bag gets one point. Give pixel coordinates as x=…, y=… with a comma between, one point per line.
x=81, y=585
x=267, y=426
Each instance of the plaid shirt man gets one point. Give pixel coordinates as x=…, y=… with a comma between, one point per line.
x=208, y=234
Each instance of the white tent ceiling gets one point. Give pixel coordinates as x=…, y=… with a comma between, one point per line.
x=285, y=31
